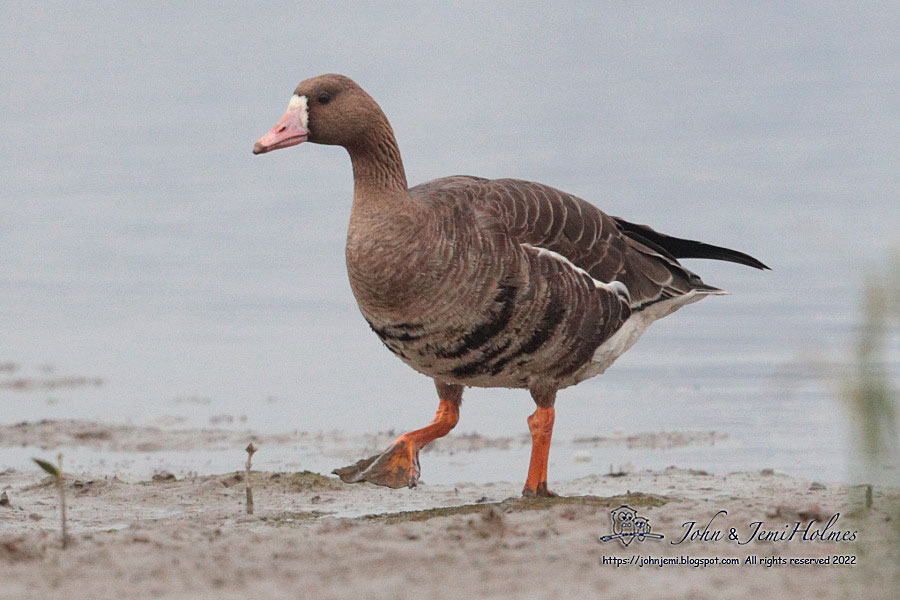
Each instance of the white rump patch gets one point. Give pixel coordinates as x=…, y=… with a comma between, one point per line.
x=632, y=329
x=300, y=103
x=616, y=286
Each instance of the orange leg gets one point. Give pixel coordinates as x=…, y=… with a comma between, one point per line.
x=398, y=466
x=541, y=426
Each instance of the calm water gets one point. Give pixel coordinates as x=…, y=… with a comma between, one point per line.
x=142, y=243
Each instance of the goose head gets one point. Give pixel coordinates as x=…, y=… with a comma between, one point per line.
x=327, y=109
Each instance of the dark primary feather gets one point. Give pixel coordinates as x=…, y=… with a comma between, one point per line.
x=681, y=248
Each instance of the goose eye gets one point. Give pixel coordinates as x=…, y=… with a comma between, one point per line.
x=324, y=98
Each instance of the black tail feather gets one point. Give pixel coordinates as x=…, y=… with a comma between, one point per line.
x=679, y=248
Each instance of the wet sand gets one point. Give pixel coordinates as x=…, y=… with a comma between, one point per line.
x=311, y=536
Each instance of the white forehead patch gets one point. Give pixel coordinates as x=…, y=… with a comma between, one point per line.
x=300, y=103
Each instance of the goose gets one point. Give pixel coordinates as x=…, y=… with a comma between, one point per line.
x=480, y=282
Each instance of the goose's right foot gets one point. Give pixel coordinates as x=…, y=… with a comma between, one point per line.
x=398, y=466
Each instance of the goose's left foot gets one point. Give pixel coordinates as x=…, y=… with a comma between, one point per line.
x=541, y=426
x=540, y=492
x=398, y=466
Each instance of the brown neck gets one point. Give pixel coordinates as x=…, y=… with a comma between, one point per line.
x=377, y=167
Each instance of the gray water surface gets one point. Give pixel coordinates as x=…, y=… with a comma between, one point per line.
x=142, y=243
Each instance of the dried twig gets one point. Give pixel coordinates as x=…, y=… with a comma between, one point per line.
x=250, y=450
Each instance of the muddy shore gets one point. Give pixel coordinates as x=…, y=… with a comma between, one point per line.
x=188, y=536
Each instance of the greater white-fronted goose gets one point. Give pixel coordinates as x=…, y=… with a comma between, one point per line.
x=486, y=283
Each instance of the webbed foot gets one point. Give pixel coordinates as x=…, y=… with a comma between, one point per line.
x=396, y=467
x=541, y=491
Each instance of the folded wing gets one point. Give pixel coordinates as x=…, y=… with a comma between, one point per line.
x=608, y=248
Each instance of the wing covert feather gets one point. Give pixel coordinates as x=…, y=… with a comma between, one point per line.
x=542, y=216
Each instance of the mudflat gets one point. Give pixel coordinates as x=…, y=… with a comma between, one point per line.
x=171, y=535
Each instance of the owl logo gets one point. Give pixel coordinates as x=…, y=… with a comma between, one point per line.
x=628, y=526
x=641, y=528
